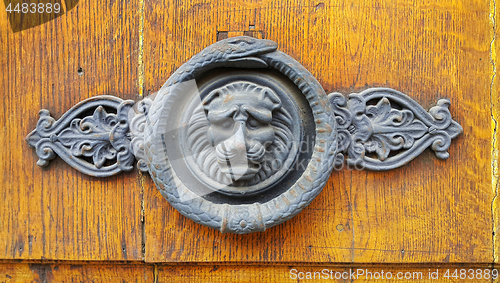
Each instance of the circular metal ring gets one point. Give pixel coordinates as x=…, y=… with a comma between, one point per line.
x=244, y=60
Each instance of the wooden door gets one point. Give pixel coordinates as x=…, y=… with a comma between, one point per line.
x=57, y=224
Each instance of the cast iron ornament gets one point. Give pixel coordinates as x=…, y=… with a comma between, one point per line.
x=242, y=137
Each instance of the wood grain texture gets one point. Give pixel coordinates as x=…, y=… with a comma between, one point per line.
x=75, y=273
x=58, y=213
x=495, y=130
x=428, y=211
x=318, y=273
x=23, y=272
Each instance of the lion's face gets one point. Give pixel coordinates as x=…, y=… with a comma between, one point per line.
x=240, y=128
x=238, y=132
x=240, y=137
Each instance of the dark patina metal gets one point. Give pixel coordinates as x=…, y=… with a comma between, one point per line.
x=242, y=137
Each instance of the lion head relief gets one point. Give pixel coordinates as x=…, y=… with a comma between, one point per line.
x=241, y=134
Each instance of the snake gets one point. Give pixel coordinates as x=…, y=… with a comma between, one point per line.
x=240, y=51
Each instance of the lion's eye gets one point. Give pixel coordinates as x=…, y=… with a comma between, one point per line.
x=252, y=123
x=239, y=42
x=228, y=124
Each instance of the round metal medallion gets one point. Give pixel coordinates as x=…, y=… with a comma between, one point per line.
x=241, y=137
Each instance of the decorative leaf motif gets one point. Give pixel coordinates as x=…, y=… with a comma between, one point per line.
x=102, y=137
x=382, y=129
x=393, y=129
x=90, y=137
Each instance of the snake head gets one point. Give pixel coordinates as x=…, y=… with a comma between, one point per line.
x=245, y=46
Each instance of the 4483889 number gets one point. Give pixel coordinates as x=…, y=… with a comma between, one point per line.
x=472, y=274
x=34, y=8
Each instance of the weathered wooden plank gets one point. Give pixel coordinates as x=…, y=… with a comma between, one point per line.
x=320, y=273
x=172, y=237
x=167, y=233
x=23, y=272
x=91, y=272
x=495, y=126
x=428, y=211
x=58, y=213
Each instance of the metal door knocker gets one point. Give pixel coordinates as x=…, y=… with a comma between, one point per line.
x=242, y=137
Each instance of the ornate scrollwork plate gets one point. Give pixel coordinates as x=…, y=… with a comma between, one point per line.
x=96, y=145
x=242, y=137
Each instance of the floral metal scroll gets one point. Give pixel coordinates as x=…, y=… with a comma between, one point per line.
x=212, y=134
x=392, y=131
x=97, y=145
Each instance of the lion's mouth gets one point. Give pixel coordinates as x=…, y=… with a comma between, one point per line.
x=240, y=172
x=237, y=164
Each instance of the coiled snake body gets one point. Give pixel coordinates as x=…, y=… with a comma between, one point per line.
x=241, y=52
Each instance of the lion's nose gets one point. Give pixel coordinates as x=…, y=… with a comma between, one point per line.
x=239, y=138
